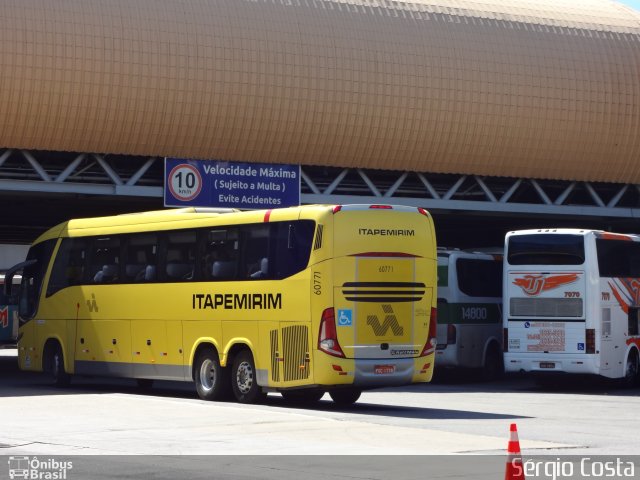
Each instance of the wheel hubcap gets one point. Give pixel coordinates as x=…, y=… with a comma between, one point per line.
x=244, y=377
x=207, y=374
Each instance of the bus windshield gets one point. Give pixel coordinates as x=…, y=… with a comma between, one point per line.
x=544, y=249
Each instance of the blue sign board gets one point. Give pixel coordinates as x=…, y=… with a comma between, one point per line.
x=247, y=186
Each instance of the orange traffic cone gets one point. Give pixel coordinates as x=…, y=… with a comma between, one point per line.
x=515, y=469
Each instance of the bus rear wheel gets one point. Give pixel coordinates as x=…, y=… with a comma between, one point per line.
x=243, y=379
x=346, y=396
x=631, y=371
x=209, y=376
x=493, y=364
x=56, y=364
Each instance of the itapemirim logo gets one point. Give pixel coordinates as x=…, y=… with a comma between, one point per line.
x=92, y=305
x=35, y=469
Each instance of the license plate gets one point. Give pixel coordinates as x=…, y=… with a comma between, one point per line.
x=547, y=365
x=384, y=369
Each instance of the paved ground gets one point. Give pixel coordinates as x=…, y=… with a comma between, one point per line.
x=114, y=417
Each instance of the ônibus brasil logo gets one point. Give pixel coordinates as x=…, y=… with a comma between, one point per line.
x=533, y=285
x=31, y=468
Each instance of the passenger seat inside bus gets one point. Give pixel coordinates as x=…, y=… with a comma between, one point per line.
x=134, y=271
x=107, y=274
x=223, y=269
x=264, y=269
x=179, y=271
x=150, y=273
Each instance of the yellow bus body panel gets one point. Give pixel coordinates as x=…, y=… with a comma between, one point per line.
x=378, y=265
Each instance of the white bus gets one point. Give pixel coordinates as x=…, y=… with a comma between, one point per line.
x=571, y=301
x=469, y=311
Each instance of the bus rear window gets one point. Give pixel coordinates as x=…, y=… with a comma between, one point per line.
x=479, y=278
x=545, y=249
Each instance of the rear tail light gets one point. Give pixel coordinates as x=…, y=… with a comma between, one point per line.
x=423, y=211
x=328, y=336
x=337, y=208
x=430, y=346
x=505, y=339
x=451, y=334
x=591, y=340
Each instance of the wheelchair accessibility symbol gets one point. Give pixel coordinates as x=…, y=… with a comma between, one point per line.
x=345, y=318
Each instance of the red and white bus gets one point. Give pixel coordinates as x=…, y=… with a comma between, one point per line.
x=571, y=301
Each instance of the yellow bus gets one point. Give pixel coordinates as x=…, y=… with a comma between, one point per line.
x=301, y=301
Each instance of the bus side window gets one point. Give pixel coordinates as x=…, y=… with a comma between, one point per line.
x=140, y=258
x=180, y=256
x=633, y=321
x=292, y=247
x=255, y=240
x=105, y=260
x=479, y=278
x=220, y=253
x=69, y=265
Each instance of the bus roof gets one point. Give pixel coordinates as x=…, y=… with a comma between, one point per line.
x=578, y=231
x=562, y=231
x=169, y=218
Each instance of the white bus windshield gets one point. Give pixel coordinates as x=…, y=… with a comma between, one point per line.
x=544, y=249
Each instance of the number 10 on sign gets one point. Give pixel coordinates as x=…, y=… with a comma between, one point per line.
x=185, y=182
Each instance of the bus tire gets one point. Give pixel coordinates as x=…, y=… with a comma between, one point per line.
x=243, y=379
x=345, y=396
x=301, y=397
x=493, y=368
x=209, y=376
x=56, y=362
x=631, y=370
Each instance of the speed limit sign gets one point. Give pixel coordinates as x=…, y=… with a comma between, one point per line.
x=184, y=182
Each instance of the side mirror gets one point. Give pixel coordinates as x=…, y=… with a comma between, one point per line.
x=8, y=277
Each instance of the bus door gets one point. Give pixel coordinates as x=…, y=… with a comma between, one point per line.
x=607, y=349
x=33, y=269
x=444, y=319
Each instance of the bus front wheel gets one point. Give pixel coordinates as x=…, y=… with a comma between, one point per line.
x=209, y=376
x=243, y=379
x=347, y=396
x=56, y=364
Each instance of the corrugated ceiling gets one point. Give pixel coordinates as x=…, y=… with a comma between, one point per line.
x=543, y=89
